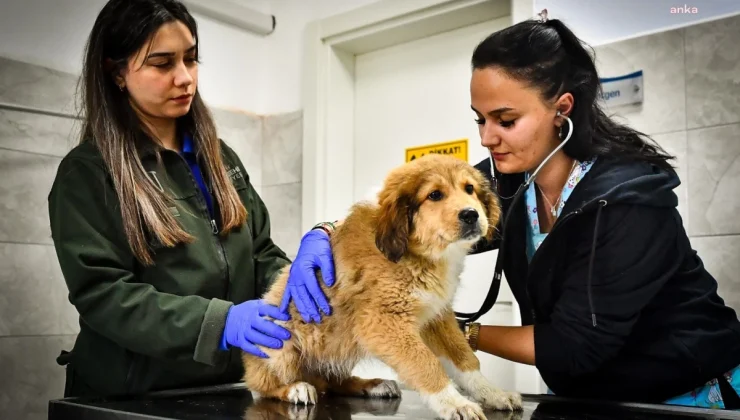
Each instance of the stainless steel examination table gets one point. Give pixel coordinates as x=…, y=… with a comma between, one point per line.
x=232, y=402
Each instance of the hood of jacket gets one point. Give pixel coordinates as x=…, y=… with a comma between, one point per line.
x=638, y=183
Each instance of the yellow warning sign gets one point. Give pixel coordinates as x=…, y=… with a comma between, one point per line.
x=457, y=148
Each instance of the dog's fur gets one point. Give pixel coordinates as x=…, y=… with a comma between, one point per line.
x=398, y=265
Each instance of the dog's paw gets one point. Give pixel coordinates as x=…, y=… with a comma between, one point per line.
x=466, y=411
x=450, y=404
x=385, y=389
x=481, y=390
x=490, y=397
x=516, y=400
x=302, y=393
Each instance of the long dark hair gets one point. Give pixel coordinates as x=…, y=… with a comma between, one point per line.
x=121, y=29
x=549, y=57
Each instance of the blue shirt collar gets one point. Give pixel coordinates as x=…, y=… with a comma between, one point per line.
x=188, y=145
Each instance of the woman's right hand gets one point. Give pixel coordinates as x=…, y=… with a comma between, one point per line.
x=246, y=328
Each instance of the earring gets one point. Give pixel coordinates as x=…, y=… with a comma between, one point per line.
x=560, y=129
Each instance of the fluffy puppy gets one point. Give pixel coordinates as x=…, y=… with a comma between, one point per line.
x=398, y=265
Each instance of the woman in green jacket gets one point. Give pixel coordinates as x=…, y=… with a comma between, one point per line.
x=163, y=242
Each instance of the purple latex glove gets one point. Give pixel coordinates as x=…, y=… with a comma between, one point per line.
x=303, y=285
x=245, y=328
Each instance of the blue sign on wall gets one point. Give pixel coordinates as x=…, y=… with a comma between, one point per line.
x=622, y=90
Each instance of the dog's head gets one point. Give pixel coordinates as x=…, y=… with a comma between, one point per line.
x=431, y=203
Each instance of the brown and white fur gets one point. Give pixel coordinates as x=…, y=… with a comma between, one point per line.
x=398, y=265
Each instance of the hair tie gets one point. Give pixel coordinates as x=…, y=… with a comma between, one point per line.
x=543, y=15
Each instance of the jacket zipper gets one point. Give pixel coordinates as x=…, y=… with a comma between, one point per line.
x=214, y=228
x=221, y=250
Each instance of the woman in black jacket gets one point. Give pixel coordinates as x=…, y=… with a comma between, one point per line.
x=615, y=303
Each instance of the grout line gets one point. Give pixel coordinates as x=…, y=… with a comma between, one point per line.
x=35, y=110
x=685, y=82
x=713, y=126
x=30, y=153
x=715, y=235
x=686, y=124
x=280, y=184
x=26, y=243
x=660, y=133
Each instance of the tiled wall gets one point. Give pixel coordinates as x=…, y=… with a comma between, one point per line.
x=271, y=149
x=282, y=162
x=36, y=319
x=692, y=108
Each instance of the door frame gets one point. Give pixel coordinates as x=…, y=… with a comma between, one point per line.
x=328, y=84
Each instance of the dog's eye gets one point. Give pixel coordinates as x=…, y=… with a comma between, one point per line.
x=469, y=189
x=435, y=195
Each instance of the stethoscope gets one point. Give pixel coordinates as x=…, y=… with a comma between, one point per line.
x=492, y=295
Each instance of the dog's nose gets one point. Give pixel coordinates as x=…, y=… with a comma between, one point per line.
x=468, y=216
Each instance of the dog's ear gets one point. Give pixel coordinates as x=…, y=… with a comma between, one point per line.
x=492, y=206
x=397, y=209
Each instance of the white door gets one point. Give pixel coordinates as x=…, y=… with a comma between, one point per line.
x=415, y=94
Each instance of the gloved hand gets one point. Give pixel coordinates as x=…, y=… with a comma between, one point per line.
x=303, y=285
x=245, y=327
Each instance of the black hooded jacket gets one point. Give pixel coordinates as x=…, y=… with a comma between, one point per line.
x=621, y=304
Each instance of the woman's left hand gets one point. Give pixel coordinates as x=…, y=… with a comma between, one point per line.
x=303, y=286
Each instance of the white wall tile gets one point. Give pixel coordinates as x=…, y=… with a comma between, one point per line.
x=33, y=377
x=25, y=182
x=283, y=202
x=282, y=146
x=34, y=295
x=37, y=133
x=243, y=133
x=38, y=87
x=714, y=172
x=713, y=73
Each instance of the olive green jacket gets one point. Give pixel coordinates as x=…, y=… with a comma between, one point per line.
x=145, y=328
